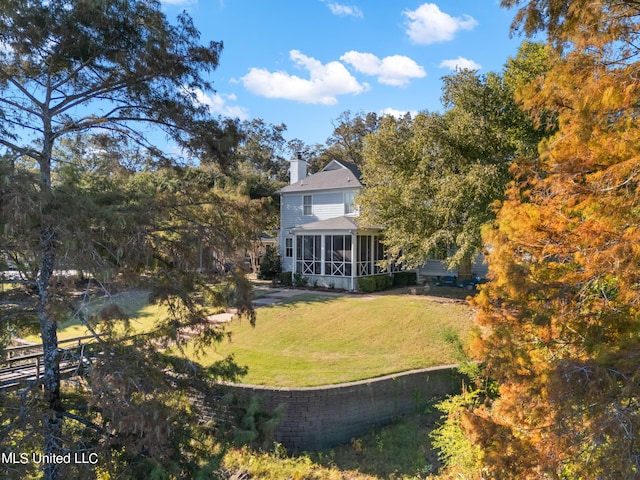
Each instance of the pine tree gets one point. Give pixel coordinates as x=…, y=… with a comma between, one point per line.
x=118, y=68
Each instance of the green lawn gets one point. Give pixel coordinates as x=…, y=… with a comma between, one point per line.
x=316, y=339
x=134, y=303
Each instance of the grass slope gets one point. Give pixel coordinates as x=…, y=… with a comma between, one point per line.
x=133, y=303
x=317, y=340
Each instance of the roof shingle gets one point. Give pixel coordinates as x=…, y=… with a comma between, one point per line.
x=334, y=175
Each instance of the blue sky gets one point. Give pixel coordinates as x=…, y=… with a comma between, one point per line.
x=304, y=62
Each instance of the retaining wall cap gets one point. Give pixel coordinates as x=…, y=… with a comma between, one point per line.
x=341, y=385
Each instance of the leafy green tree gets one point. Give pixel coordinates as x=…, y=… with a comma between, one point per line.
x=114, y=67
x=560, y=320
x=310, y=153
x=262, y=149
x=346, y=142
x=431, y=180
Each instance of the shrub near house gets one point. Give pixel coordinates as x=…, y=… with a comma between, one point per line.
x=377, y=283
x=270, y=267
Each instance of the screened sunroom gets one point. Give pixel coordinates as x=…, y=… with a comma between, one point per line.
x=333, y=253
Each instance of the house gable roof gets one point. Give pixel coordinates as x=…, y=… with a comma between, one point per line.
x=336, y=175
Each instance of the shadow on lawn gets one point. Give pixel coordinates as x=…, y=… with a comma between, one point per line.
x=450, y=292
x=304, y=298
x=310, y=295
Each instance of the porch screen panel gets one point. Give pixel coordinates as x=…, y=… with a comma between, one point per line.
x=378, y=251
x=308, y=254
x=364, y=264
x=337, y=255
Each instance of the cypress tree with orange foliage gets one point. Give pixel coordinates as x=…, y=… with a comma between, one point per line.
x=559, y=322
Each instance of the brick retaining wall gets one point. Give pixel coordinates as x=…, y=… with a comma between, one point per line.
x=322, y=417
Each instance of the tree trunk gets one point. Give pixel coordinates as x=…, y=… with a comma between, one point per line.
x=52, y=418
x=52, y=421
x=465, y=269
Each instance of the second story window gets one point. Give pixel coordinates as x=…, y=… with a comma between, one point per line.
x=307, y=205
x=349, y=199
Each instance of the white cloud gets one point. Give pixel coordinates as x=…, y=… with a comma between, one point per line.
x=460, y=63
x=397, y=113
x=344, y=10
x=218, y=104
x=396, y=70
x=325, y=82
x=428, y=24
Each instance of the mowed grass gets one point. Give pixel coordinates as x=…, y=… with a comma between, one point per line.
x=133, y=303
x=315, y=339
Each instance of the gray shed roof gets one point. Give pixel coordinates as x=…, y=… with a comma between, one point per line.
x=335, y=175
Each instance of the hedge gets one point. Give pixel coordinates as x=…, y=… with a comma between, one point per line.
x=375, y=283
x=383, y=282
x=367, y=284
x=378, y=283
x=270, y=267
x=402, y=279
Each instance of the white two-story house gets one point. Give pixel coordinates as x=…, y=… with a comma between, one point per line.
x=320, y=235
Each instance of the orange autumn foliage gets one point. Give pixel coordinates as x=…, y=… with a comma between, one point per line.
x=561, y=315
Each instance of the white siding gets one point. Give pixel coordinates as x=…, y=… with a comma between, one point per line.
x=326, y=205
x=435, y=268
x=291, y=211
x=480, y=266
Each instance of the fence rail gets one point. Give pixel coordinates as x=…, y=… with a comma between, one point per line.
x=24, y=364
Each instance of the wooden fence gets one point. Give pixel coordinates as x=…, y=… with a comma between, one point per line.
x=24, y=364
